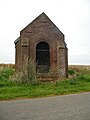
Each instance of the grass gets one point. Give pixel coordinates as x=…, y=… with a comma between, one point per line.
x=13, y=90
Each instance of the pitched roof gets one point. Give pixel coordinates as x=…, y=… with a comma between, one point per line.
x=43, y=17
x=16, y=40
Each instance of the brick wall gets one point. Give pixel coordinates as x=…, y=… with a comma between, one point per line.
x=42, y=29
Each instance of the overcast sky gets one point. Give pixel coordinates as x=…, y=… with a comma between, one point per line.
x=72, y=17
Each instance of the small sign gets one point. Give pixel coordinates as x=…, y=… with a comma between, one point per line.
x=25, y=42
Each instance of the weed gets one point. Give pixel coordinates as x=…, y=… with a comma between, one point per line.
x=32, y=72
x=71, y=72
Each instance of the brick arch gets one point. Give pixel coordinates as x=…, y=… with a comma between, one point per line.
x=42, y=36
x=38, y=39
x=43, y=40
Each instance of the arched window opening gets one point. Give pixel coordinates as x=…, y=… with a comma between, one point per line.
x=42, y=57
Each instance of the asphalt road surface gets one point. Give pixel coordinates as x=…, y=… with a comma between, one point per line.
x=66, y=107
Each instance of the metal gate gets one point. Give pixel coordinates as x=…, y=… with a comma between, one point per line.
x=42, y=57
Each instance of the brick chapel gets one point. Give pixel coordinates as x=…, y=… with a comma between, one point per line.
x=44, y=43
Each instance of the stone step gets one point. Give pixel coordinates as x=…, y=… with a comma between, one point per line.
x=47, y=78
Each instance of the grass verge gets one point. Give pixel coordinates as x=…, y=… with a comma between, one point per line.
x=13, y=90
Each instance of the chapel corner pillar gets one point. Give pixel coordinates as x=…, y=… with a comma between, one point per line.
x=25, y=55
x=62, y=62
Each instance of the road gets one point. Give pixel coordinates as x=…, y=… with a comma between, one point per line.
x=66, y=107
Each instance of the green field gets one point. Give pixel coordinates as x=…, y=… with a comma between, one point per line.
x=78, y=81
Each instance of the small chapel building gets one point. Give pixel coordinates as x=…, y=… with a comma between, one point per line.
x=45, y=44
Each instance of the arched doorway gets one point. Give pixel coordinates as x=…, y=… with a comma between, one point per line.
x=42, y=57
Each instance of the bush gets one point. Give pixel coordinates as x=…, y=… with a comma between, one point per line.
x=71, y=72
x=73, y=81
x=85, y=78
x=5, y=73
